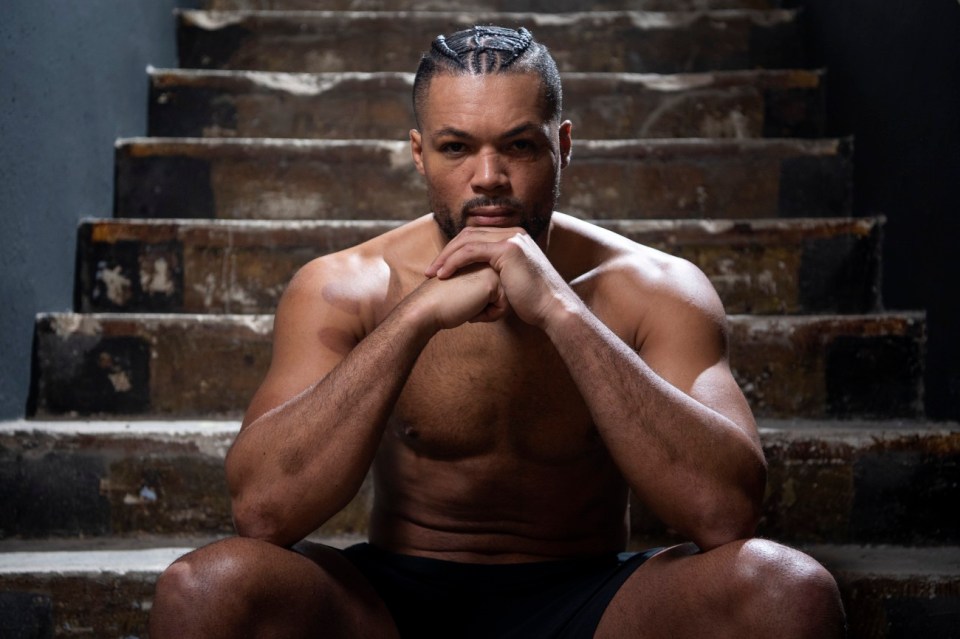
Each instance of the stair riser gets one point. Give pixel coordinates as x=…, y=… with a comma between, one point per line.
x=831, y=486
x=857, y=488
x=91, y=605
x=331, y=180
x=176, y=366
x=378, y=106
x=93, y=485
x=619, y=42
x=807, y=266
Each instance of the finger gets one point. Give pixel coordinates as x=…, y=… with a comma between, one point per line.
x=467, y=235
x=468, y=254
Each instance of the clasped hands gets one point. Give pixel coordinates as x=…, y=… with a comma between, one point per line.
x=484, y=272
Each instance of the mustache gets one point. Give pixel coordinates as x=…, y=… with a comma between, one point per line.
x=480, y=202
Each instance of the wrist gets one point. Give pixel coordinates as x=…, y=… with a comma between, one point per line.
x=562, y=314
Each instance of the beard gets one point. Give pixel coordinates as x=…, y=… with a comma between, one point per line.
x=534, y=221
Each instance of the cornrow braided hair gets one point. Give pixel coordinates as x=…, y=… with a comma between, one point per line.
x=483, y=50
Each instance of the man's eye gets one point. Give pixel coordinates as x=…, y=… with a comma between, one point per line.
x=522, y=146
x=452, y=148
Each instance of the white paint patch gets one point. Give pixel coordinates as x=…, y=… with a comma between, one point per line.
x=159, y=280
x=213, y=20
x=118, y=285
x=303, y=84
x=121, y=382
x=67, y=324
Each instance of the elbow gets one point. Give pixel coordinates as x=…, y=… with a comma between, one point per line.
x=255, y=515
x=735, y=516
x=252, y=519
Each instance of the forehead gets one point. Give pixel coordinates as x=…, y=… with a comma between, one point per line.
x=458, y=100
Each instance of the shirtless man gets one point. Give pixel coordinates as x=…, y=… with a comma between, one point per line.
x=510, y=374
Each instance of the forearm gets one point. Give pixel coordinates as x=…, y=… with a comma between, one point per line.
x=699, y=472
x=297, y=465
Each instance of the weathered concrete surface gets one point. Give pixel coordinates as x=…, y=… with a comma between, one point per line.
x=889, y=592
x=829, y=482
x=543, y=6
x=758, y=266
x=840, y=366
x=158, y=365
x=126, y=480
x=897, y=592
x=729, y=104
x=645, y=42
x=851, y=483
x=201, y=365
x=607, y=179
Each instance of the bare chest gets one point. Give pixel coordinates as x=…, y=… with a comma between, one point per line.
x=492, y=389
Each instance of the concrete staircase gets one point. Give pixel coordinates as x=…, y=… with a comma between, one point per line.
x=282, y=137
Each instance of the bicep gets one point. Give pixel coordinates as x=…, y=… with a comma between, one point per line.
x=686, y=344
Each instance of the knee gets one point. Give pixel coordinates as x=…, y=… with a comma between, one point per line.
x=788, y=591
x=202, y=582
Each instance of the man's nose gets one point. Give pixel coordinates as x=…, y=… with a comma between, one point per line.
x=490, y=173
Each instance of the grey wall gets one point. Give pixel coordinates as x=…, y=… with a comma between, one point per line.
x=72, y=80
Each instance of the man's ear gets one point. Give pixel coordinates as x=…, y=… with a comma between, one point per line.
x=416, y=148
x=566, y=143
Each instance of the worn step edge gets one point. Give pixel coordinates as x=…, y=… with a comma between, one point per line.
x=820, y=470
x=127, y=364
x=213, y=20
x=888, y=591
x=243, y=178
x=620, y=40
x=662, y=148
x=937, y=563
x=738, y=104
x=797, y=265
x=305, y=83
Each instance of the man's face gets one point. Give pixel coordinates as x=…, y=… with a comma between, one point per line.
x=489, y=154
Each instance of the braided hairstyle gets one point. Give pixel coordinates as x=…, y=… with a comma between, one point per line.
x=482, y=50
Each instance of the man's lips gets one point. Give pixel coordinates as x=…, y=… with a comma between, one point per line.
x=490, y=215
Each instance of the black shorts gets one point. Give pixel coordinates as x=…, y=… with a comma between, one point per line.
x=434, y=598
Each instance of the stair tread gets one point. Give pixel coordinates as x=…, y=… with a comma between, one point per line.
x=303, y=179
x=616, y=40
x=152, y=555
x=800, y=265
x=742, y=103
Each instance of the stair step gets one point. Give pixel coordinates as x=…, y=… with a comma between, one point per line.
x=851, y=482
x=306, y=179
x=619, y=41
x=888, y=591
x=542, y=6
x=54, y=590
x=114, y=478
x=252, y=104
x=829, y=482
x=172, y=365
x=220, y=266
x=894, y=592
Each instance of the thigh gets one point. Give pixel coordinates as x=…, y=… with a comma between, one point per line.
x=748, y=588
x=243, y=587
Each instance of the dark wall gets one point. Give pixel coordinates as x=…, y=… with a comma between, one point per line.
x=894, y=83
x=72, y=80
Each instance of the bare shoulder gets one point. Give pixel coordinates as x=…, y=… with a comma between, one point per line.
x=328, y=307
x=638, y=285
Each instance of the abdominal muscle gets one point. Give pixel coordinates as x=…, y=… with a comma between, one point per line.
x=494, y=463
